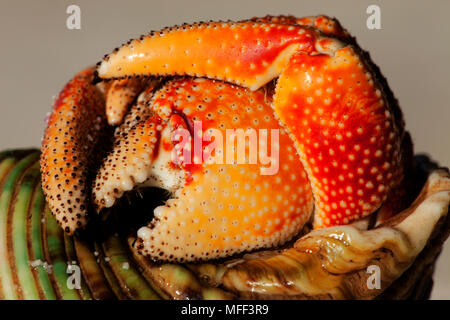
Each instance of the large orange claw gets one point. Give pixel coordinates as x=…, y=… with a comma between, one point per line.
x=216, y=209
x=326, y=25
x=347, y=136
x=74, y=127
x=247, y=53
x=345, y=126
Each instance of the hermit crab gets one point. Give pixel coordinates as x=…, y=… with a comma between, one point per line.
x=330, y=147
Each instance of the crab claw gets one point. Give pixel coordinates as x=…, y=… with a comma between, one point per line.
x=328, y=96
x=217, y=208
x=347, y=136
x=120, y=96
x=326, y=25
x=139, y=110
x=246, y=53
x=74, y=127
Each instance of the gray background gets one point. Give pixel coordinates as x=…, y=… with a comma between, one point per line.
x=39, y=54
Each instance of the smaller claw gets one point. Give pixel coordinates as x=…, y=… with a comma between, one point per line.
x=139, y=152
x=120, y=96
x=140, y=110
x=146, y=165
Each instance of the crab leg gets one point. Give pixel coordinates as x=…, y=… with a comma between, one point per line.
x=327, y=96
x=74, y=127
